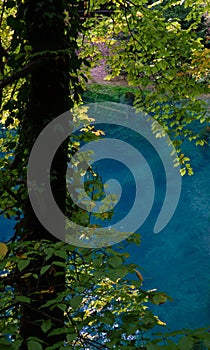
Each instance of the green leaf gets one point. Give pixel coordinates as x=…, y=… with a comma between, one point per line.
x=76, y=301
x=23, y=299
x=114, y=274
x=46, y=325
x=26, y=275
x=115, y=261
x=22, y=264
x=34, y=345
x=62, y=307
x=61, y=254
x=44, y=269
x=159, y=298
x=71, y=337
x=58, y=331
x=59, y=263
x=49, y=253
x=186, y=343
x=16, y=345
x=49, y=303
x=4, y=343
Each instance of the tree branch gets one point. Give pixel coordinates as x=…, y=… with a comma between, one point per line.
x=7, y=208
x=23, y=72
x=42, y=313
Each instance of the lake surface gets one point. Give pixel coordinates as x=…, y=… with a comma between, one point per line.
x=176, y=260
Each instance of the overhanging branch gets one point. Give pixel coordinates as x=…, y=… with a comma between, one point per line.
x=23, y=72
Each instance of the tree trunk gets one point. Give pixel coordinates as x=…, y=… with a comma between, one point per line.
x=49, y=97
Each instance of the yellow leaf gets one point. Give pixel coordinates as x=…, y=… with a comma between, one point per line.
x=3, y=250
x=161, y=323
x=50, y=290
x=139, y=14
x=21, y=256
x=98, y=132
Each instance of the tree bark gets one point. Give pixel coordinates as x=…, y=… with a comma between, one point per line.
x=49, y=97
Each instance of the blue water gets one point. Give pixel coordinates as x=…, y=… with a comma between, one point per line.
x=6, y=229
x=6, y=225
x=177, y=259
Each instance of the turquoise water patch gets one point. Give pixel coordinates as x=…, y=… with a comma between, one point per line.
x=177, y=259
